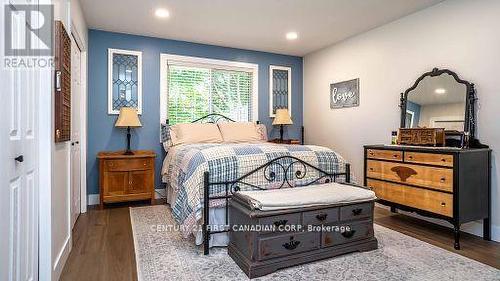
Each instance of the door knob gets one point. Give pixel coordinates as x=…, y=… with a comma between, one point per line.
x=19, y=158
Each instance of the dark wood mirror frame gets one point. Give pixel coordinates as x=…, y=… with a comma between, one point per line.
x=470, y=104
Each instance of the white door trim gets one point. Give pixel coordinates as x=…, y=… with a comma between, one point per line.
x=83, y=118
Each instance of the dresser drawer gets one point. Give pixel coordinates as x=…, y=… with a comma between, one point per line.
x=319, y=217
x=357, y=231
x=424, y=199
x=281, y=222
x=429, y=158
x=356, y=211
x=431, y=177
x=287, y=244
x=384, y=154
x=128, y=165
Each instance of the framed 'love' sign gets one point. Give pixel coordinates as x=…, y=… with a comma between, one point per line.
x=344, y=94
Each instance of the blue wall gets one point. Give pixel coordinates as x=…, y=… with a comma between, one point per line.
x=103, y=136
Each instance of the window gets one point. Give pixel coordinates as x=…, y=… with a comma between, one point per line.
x=280, y=89
x=195, y=87
x=124, y=80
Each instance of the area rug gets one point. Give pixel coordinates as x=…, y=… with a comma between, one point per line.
x=162, y=254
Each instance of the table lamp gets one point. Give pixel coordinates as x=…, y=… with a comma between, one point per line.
x=281, y=118
x=128, y=118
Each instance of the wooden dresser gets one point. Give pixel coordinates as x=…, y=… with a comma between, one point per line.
x=126, y=177
x=447, y=183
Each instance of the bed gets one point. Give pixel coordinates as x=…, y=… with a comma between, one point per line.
x=185, y=167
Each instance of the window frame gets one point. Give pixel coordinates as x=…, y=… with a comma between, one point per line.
x=166, y=59
x=111, y=52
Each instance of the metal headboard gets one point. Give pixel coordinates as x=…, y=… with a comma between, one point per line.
x=212, y=118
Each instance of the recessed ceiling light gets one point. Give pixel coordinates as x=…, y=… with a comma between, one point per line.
x=440, y=91
x=292, y=35
x=162, y=13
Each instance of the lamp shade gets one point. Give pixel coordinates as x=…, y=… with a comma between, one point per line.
x=282, y=117
x=128, y=118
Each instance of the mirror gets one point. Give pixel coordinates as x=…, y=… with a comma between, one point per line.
x=437, y=102
x=440, y=99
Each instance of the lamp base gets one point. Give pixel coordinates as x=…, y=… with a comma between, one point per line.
x=128, y=151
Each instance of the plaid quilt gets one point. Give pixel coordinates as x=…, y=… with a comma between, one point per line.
x=184, y=166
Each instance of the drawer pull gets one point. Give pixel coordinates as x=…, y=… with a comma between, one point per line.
x=371, y=169
x=280, y=223
x=292, y=245
x=322, y=216
x=410, y=157
x=443, y=179
x=348, y=234
x=443, y=160
x=395, y=155
x=357, y=212
x=371, y=153
x=443, y=204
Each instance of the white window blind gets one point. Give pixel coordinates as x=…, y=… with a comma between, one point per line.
x=197, y=90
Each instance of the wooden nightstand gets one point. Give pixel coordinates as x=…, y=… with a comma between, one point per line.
x=285, y=141
x=126, y=177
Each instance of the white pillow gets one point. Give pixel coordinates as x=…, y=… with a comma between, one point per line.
x=189, y=133
x=236, y=132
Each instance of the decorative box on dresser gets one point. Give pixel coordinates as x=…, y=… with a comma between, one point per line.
x=126, y=177
x=447, y=183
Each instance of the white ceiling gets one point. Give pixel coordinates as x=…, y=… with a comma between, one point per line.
x=250, y=24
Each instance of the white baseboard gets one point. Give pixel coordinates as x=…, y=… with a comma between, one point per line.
x=160, y=193
x=61, y=259
x=93, y=199
x=474, y=228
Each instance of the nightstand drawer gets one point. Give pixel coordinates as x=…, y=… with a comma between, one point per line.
x=128, y=165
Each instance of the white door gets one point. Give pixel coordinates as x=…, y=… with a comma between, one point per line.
x=18, y=163
x=75, y=131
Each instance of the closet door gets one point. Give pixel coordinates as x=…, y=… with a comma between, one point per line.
x=19, y=199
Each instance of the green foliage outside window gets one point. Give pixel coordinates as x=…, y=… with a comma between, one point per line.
x=195, y=92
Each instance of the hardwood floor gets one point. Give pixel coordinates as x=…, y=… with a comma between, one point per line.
x=103, y=247
x=473, y=247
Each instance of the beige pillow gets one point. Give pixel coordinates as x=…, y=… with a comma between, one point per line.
x=239, y=132
x=195, y=133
